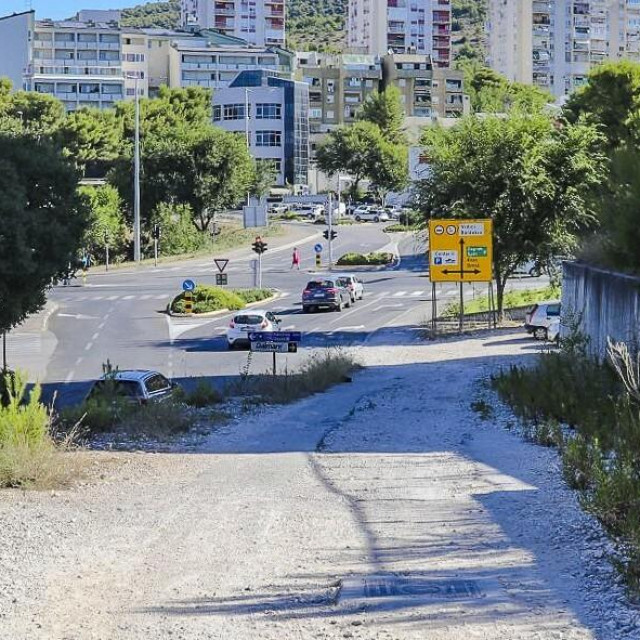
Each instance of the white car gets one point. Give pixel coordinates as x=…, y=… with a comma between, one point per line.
x=309, y=211
x=553, y=331
x=370, y=214
x=354, y=284
x=245, y=322
x=539, y=318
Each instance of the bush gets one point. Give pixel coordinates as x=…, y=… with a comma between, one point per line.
x=204, y=395
x=398, y=228
x=28, y=455
x=318, y=373
x=366, y=259
x=207, y=298
x=253, y=295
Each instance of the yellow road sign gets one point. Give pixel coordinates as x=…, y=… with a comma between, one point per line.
x=460, y=250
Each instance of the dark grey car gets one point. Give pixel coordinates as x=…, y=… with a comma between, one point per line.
x=325, y=293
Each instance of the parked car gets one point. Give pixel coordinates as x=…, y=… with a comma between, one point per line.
x=309, y=211
x=278, y=209
x=327, y=293
x=138, y=386
x=539, y=318
x=371, y=214
x=553, y=331
x=354, y=284
x=245, y=322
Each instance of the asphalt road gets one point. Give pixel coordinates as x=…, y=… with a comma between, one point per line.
x=120, y=316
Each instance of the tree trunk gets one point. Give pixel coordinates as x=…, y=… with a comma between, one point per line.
x=500, y=286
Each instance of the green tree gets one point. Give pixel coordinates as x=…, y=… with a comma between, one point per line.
x=534, y=179
x=387, y=111
x=92, y=138
x=39, y=113
x=43, y=222
x=106, y=221
x=204, y=167
x=611, y=100
x=264, y=175
x=361, y=151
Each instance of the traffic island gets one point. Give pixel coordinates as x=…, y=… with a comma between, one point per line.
x=209, y=300
x=377, y=260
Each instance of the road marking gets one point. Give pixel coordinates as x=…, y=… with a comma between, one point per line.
x=353, y=327
x=291, y=326
x=79, y=360
x=95, y=336
x=161, y=297
x=77, y=316
x=390, y=306
x=399, y=294
x=89, y=346
x=97, y=297
x=112, y=298
x=146, y=297
x=128, y=297
x=417, y=293
x=69, y=377
x=101, y=325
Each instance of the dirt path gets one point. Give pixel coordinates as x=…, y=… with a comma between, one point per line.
x=383, y=509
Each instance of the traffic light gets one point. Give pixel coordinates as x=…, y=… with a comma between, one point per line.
x=155, y=234
x=334, y=234
x=259, y=246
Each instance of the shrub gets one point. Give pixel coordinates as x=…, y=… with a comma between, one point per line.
x=28, y=455
x=207, y=298
x=204, y=395
x=366, y=259
x=253, y=295
x=156, y=419
x=399, y=228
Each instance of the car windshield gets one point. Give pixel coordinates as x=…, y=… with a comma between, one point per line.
x=344, y=282
x=248, y=319
x=320, y=284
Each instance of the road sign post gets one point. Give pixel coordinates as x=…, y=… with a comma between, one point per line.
x=275, y=342
x=460, y=251
x=188, y=302
x=222, y=279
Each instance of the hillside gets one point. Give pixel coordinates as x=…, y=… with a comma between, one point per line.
x=320, y=24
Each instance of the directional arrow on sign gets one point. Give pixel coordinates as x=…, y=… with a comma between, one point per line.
x=461, y=271
x=221, y=263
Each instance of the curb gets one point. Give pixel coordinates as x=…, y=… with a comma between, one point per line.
x=221, y=312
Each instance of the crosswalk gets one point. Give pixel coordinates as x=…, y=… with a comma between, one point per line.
x=113, y=298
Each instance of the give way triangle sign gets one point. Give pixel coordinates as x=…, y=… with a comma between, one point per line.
x=221, y=263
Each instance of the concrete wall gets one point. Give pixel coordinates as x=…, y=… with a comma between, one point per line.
x=609, y=304
x=15, y=32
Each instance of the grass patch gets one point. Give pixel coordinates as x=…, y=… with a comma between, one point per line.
x=207, y=298
x=29, y=456
x=319, y=372
x=399, y=228
x=600, y=405
x=366, y=259
x=512, y=300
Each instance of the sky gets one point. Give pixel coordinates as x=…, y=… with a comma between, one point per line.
x=58, y=9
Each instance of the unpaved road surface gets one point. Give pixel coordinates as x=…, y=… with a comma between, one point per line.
x=383, y=509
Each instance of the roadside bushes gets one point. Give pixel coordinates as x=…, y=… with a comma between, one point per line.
x=366, y=259
x=207, y=298
x=599, y=405
x=29, y=457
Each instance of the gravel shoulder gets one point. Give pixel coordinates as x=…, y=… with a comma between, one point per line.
x=385, y=508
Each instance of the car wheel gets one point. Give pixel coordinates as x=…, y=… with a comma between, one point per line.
x=231, y=346
x=534, y=272
x=353, y=299
x=339, y=306
x=540, y=333
x=376, y=219
x=358, y=218
x=362, y=296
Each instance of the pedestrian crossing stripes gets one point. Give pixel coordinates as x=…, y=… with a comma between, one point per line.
x=97, y=298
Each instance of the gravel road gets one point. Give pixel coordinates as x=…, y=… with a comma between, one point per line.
x=383, y=509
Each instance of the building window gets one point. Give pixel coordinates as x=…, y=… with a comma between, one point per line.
x=89, y=88
x=315, y=113
x=275, y=163
x=233, y=112
x=217, y=112
x=268, y=111
x=268, y=138
x=133, y=57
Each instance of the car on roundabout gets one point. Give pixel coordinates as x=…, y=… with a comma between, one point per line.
x=354, y=284
x=370, y=214
x=326, y=292
x=245, y=322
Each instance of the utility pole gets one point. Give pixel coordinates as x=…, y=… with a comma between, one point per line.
x=331, y=230
x=106, y=251
x=247, y=133
x=136, y=181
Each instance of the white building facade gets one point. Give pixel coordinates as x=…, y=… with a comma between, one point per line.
x=553, y=44
x=260, y=22
x=378, y=27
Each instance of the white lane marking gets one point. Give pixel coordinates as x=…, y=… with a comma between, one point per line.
x=161, y=297
x=89, y=346
x=96, y=297
x=146, y=297
x=389, y=306
x=399, y=294
x=79, y=360
x=352, y=327
x=69, y=377
x=112, y=298
x=128, y=297
x=77, y=316
x=416, y=293
x=101, y=325
x=95, y=336
x=289, y=327
x=178, y=327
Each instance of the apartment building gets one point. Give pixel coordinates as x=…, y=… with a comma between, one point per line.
x=378, y=27
x=339, y=84
x=273, y=114
x=553, y=44
x=260, y=22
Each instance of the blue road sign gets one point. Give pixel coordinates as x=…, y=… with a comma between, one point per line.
x=188, y=285
x=275, y=336
x=318, y=248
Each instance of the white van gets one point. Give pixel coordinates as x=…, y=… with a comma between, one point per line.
x=540, y=317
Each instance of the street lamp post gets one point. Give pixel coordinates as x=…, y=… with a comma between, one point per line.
x=136, y=181
x=247, y=133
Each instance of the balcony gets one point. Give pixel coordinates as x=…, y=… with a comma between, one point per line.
x=441, y=17
x=541, y=7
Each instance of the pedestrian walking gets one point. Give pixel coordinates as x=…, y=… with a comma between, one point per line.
x=295, y=259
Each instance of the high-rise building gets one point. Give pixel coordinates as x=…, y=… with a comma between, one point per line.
x=554, y=43
x=379, y=27
x=260, y=22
